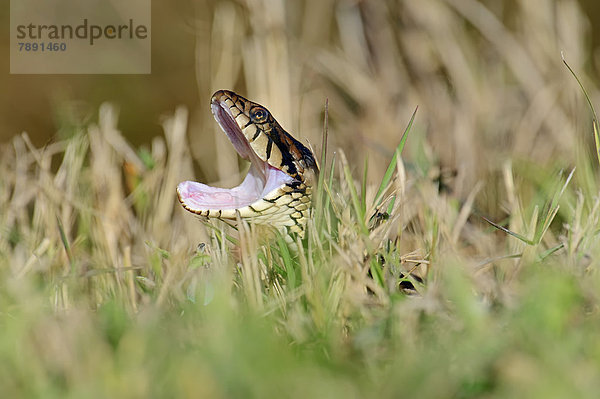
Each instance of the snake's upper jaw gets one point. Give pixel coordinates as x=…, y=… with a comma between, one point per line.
x=261, y=180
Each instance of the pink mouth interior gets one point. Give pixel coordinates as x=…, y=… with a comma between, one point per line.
x=262, y=178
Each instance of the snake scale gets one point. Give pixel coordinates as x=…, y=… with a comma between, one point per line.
x=278, y=188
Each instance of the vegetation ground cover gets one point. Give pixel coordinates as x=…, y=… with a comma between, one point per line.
x=108, y=288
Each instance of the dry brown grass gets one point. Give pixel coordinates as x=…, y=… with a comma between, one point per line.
x=104, y=292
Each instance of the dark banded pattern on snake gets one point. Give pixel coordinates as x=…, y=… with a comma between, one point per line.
x=278, y=188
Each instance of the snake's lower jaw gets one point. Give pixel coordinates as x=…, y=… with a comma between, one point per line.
x=285, y=206
x=262, y=182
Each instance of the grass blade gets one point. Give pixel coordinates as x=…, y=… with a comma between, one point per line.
x=591, y=106
x=360, y=215
x=507, y=231
x=554, y=207
x=320, y=200
x=387, y=177
x=66, y=245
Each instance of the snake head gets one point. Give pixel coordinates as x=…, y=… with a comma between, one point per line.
x=267, y=139
x=277, y=189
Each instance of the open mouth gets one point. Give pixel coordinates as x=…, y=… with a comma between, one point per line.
x=261, y=180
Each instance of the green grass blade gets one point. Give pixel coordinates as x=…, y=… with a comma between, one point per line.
x=387, y=177
x=550, y=251
x=390, y=207
x=319, y=203
x=507, y=231
x=360, y=215
x=66, y=245
x=377, y=272
x=554, y=207
x=591, y=106
x=288, y=263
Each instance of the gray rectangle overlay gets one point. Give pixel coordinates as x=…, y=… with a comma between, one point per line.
x=80, y=37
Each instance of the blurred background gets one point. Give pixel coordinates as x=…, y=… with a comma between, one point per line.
x=487, y=77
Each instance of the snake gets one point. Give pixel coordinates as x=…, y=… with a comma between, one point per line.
x=278, y=188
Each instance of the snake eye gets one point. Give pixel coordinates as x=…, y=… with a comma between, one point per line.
x=259, y=115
